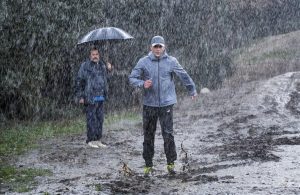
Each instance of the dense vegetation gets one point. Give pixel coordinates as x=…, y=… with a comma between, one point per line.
x=39, y=58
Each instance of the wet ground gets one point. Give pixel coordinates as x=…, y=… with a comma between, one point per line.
x=231, y=141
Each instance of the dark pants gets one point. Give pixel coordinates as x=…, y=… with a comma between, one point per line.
x=94, y=121
x=150, y=117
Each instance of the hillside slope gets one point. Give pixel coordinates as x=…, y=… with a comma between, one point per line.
x=266, y=58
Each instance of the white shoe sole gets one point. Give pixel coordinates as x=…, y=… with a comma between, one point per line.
x=102, y=145
x=93, y=145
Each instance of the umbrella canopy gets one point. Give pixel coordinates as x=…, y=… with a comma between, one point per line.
x=105, y=34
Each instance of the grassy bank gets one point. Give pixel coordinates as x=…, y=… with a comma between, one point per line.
x=19, y=137
x=20, y=179
x=266, y=58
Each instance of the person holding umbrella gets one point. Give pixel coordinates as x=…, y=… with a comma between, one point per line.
x=91, y=82
x=91, y=90
x=154, y=73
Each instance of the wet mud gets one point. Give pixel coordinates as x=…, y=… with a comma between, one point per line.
x=230, y=141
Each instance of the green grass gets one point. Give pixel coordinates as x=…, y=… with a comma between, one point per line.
x=98, y=187
x=131, y=116
x=282, y=54
x=21, y=137
x=19, y=179
x=277, y=54
x=263, y=56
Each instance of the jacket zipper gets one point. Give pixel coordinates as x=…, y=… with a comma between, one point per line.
x=158, y=83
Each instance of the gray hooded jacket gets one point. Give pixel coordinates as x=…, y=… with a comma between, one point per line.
x=160, y=71
x=91, y=81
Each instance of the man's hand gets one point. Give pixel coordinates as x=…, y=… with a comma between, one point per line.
x=81, y=101
x=147, y=84
x=194, y=96
x=109, y=66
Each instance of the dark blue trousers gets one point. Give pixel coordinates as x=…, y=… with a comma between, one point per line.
x=150, y=118
x=94, y=119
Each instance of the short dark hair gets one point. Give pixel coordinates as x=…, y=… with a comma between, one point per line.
x=94, y=49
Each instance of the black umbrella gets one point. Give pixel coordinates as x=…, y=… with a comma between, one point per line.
x=105, y=34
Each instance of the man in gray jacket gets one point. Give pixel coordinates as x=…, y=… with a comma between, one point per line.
x=154, y=73
x=91, y=90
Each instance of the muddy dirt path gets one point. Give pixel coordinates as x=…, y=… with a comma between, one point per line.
x=231, y=141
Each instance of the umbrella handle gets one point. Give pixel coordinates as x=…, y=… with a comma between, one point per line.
x=105, y=52
x=109, y=66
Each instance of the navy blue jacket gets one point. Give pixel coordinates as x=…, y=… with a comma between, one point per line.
x=91, y=81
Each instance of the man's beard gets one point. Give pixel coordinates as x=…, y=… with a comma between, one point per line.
x=95, y=60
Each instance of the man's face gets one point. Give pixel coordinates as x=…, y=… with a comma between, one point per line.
x=157, y=50
x=95, y=56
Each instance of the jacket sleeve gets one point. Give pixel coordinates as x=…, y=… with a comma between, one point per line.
x=136, y=75
x=80, y=82
x=185, y=78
